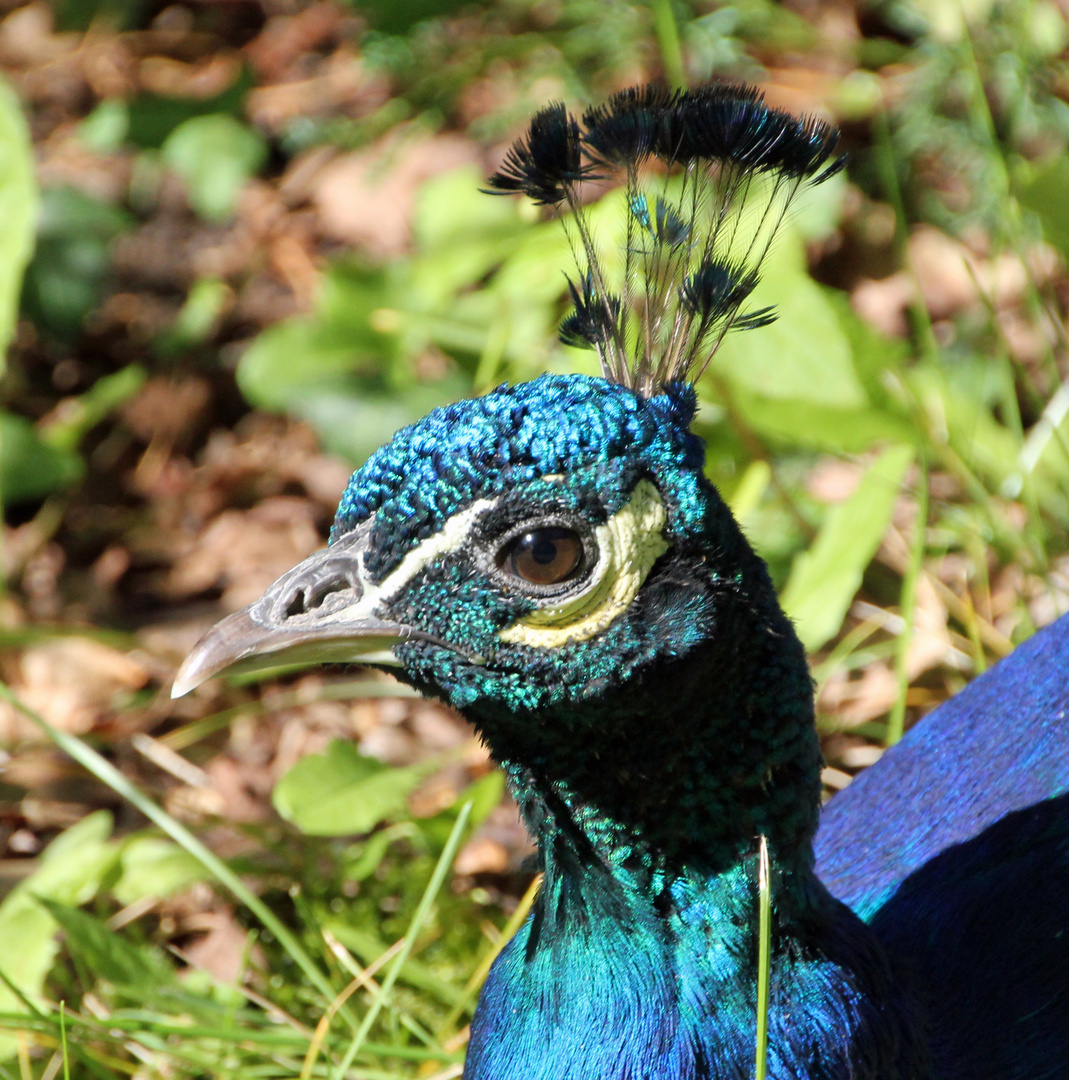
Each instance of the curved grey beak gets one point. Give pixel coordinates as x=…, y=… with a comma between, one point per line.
x=318, y=612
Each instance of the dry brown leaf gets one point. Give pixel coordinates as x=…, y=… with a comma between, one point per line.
x=72, y=682
x=366, y=198
x=481, y=855
x=243, y=551
x=223, y=951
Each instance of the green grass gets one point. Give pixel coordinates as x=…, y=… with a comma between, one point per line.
x=764, y=958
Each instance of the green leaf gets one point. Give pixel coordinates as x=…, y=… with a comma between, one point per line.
x=1041, y=188
x=371, y=853
x=214, y=155
x=152, y=118
x=320, y=352
x=68, y=274
x=30, y=468
x=342, y=792
x=391, y=17
x=70, y=871
x=82, y=413
x=805, y=355
x=825, y=578
x=109, y=955
x=104, y=130
x=354, y=424
x=198, y=319
x=485, y=795
x=821, y=427
x=113, y=14
x=18, y=209
x=153, y=866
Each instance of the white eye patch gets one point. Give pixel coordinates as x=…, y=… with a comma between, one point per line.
x=451, y=536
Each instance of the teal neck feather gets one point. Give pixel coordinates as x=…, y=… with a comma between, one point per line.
x=639, y=958
x=699, y=741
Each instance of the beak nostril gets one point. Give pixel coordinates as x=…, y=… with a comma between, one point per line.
x=318, y=596
x=308, y=598
x=319, y=588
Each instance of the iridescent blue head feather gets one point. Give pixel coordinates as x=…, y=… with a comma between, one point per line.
x=481, y=446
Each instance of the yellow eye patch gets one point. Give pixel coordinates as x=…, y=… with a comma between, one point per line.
x=629, y=543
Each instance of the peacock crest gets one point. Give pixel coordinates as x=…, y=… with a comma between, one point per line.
x=709, y=175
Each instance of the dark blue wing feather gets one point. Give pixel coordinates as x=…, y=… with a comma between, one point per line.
x=985, y=928
x=1001, y=745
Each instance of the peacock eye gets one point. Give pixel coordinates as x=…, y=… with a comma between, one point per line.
x=544, y=556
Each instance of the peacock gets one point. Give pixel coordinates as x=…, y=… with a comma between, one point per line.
x=550, y=560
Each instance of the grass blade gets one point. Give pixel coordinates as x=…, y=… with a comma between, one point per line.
x=104, y=771
x=445, y=861
x=764, y=959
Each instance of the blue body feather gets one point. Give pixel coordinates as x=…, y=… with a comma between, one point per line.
x=1000, y=745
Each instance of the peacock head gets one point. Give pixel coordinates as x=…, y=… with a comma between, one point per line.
x=549, y=558
x=509, y=552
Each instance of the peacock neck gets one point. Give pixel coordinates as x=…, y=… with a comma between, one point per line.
x=636, y=965
x=640, y=956
x=678, y=771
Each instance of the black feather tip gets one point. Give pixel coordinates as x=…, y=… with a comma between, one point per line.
x=697, y=231
x=733, y=124
x=716, y=290
x=545, y=162
x=717, y=123
x=629, y=127
x=591, y=324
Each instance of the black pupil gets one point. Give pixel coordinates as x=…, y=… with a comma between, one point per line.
x=543, y=549
x=544, y=556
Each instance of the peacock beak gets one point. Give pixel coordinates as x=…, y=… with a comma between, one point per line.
x=321, y=611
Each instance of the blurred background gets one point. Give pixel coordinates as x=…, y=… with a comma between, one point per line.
x=243, y=243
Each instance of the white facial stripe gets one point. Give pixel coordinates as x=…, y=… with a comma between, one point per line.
x=629, y=543
x=451, y=536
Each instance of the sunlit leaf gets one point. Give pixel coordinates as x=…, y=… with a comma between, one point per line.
x=804, y=356
x=30, y=468
x=825, y=578
x=153, y=866
x=18, y=207
x=1042, y=190
x=342, y=791
x=106, y=954
x=70, y=871
x=215, y=155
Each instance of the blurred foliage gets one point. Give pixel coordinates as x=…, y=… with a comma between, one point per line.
x=214, y=155
x=982, y=94
x=28, y=468
x=358, y=379
x=18, y=197
x=68, y=276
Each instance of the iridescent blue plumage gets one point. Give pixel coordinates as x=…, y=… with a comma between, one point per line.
x=551, y=560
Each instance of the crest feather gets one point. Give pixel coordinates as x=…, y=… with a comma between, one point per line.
x=725, y=167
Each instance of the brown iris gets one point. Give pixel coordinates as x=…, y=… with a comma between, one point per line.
x=544, y=556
